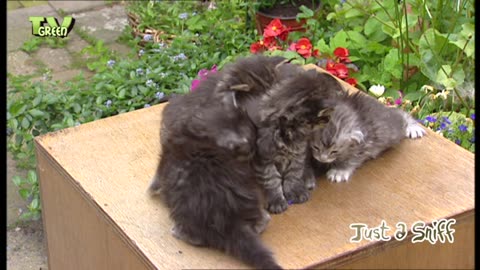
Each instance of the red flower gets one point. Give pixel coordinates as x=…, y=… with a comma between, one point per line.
x=269, y=42
x=304, y=47
x=283, y=36
x=274, y=29
x=342, y=54
x=341, y=70
x=256, y=47
x=315, y=53
x=330, y=67
x=352, y=81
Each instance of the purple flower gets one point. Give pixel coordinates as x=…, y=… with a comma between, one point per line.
x=183, y=16
x=147, y=37
x=443, y=126
x=290, y=202
x=141, y=52
x=446, y=120
x=149, y=83
x=431, y=119
x=108, y=103
x=462, y=128
x=159, y=95
x=139, y=71
x=472, y=116
x=146, y=105
x=110, y=63
x=472, y=140
x=180, y=56
x=458, y=141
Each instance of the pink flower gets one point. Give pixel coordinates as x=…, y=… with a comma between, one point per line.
x=202, y=75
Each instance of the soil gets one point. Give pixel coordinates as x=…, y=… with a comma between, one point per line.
x=290, y=9
x=26, y=248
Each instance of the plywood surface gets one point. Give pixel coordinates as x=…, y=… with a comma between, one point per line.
x=112, y=160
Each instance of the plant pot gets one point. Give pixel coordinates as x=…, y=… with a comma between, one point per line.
x=264, y=17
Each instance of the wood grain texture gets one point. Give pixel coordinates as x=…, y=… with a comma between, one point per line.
x=111, y=162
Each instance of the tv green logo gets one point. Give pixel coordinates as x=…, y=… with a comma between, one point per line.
x=52, y=29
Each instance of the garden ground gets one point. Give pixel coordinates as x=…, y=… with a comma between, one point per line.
x=26, y=247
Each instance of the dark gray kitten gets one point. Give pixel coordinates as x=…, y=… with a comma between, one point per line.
x=360, y=128
x=287, y=115
x=205, y=175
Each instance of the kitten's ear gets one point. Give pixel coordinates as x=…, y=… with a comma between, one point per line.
x=240, y=87
x=323, y=117
x=357, y=136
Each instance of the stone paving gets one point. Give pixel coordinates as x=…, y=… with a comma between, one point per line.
x=104, y=20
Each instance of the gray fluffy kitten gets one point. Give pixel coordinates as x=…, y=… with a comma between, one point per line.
x=287, y=115
x=205, y=175
x=360, y=128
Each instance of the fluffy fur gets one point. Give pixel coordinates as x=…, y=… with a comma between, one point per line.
x=360, y=128
x=287, y=114
x=205, y=175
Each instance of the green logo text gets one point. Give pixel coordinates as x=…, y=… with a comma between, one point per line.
x=52, y=29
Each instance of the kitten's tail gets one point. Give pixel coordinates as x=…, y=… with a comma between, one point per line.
x=246, y=245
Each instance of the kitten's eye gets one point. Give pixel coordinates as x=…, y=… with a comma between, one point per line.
x=333, y=152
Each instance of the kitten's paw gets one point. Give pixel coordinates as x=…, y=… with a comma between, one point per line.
x=339, y=175
x=414, y=131
x=299, y=195
x=179, y=234
x=277, y=205
x=311, y=183
x=262, y=223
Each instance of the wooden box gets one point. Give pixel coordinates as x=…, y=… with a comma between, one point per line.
x=97, y=214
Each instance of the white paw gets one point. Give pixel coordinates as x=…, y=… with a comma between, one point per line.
x=414, y=131
x=339, y=175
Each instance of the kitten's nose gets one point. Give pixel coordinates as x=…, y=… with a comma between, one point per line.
x=324, y=157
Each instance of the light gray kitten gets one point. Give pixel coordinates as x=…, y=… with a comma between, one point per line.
x=360, y=128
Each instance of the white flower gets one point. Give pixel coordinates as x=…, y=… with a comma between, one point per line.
x=377, y=90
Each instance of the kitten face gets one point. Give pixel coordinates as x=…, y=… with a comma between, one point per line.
x=337, y=139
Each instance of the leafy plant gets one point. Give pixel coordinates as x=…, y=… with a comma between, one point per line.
x=407, y=44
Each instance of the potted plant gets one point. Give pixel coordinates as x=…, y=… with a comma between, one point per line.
x=285, y=10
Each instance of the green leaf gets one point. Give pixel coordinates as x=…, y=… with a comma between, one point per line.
x=455, y=80
x=358, y=40
x=373, y=30
x=391, y=63
x=35, y=203
x=24, y=193
x=36, y=113
x=306, y=12
x=465, y=40
x=414, y=96
x=25, y=123
x=142, y=89
x=121, y=94
x=339, y=40
x=36, y=101
x=17, y=180
x=17, y=109
x=353, y=13
x=77, y=108
x=331, y=16
x=13, y=123
x=323, y=47
x=32, y=177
